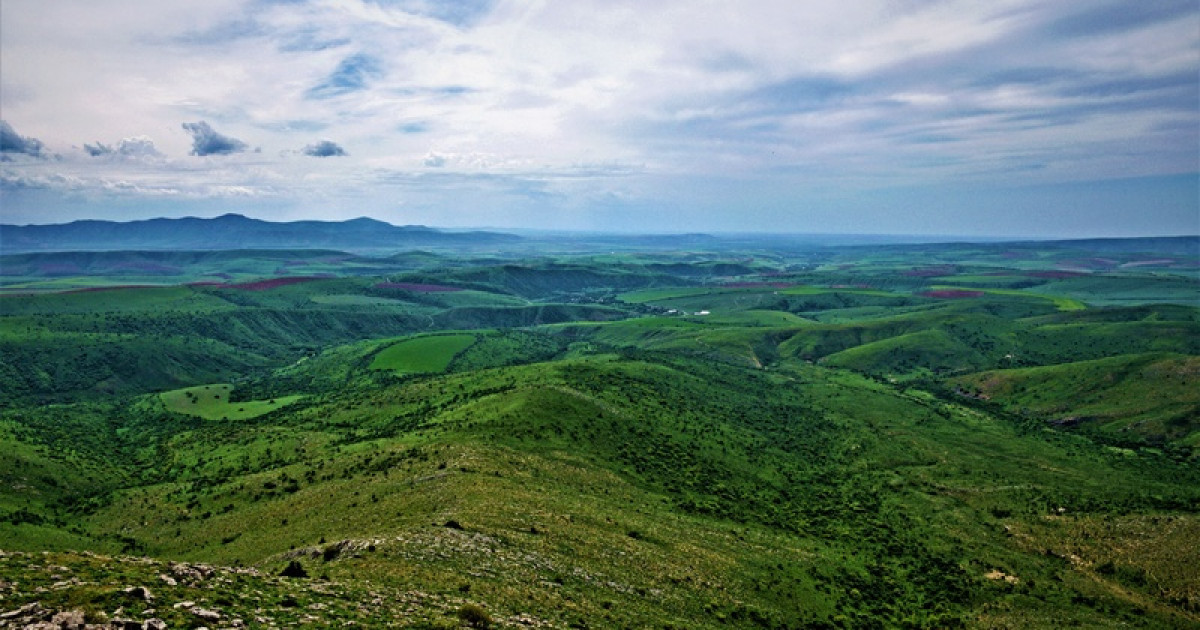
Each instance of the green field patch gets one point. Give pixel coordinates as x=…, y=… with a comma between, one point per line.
x=923, y=350
x=654, y=322
x=467, y=298
x=1148, y=394
x=422, y=355
x=760, y=317
x=823, y=290
x=211, y=402
x=111, y=299
x=655, y=295
x=1106, y=289
x=344, y=299
x=1060, y=302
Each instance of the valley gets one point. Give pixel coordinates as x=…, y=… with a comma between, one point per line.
x=672, y=433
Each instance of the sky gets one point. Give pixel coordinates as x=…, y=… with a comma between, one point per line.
x=1072, y=118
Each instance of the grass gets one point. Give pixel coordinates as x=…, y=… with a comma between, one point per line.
x=847, y=290
x=357, y=300
x=616, y=491
x=428, y=354
x=211, y=402
x=752, y=468
x=1143, y=394
x=1062, y=303
x=646, y=296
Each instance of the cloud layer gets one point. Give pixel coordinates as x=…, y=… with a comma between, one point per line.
x=822, y=115
x=140, y=148
x=206, y=140
x=13, y=143
x=324, y=148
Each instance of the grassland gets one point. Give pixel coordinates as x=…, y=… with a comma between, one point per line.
x=1147, y=394
x=564, y=442
x=211, y=402
x=427, y=354
x=1060, y=302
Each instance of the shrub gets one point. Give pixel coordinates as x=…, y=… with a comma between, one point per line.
x=294, y=570
x=475, y=616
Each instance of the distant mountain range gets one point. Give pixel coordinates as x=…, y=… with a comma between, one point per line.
x=233, y=231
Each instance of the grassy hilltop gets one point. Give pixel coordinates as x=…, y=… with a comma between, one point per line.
x=750, y=435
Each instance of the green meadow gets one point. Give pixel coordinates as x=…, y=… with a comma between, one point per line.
x=211, y=402
x=421, y=355
x=753, y=436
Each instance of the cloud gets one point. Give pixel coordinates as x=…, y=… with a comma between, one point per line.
x=324, y=148
x=98, y=149
x=351, y=75
x=12, y=142
x=139, y=147
x=779, y=96
x=206, y=140
x=457, y=12
x=1118, y=15
x=310, y=40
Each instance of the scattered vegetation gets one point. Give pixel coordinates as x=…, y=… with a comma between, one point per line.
x=769, y=438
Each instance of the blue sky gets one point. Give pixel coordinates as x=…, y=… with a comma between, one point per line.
x=1001, y=118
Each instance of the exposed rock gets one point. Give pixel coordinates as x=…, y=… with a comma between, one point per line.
x=28, y=610
x=140, y=592
x=1000, y=575
x=69, y=620
x=154, y=623
x=195, y=572
x=207, y=615
x=125, y=624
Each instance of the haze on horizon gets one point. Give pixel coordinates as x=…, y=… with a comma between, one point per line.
x=1008, y=118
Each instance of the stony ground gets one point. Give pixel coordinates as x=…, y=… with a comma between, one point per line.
x=92, y=591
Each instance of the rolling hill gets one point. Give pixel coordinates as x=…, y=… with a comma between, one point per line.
x=819, y=439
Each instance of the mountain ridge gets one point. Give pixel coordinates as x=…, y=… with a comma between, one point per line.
x=232, y=231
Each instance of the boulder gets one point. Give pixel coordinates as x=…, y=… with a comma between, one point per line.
x=140, y=592
x=68, y=620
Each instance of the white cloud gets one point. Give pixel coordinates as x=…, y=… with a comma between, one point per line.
x=849, y=91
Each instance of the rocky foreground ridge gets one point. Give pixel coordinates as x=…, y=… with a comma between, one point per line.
x=89, y=591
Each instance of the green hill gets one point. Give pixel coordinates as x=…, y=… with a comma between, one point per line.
x=1147, y=395
x=604, y=439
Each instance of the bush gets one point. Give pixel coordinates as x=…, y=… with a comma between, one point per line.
x=475, y=616
x=294, y=570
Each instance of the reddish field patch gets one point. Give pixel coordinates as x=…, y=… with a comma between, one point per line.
x=418, y=288
x=263, y=285
x=60, y=269
x=952, y=294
